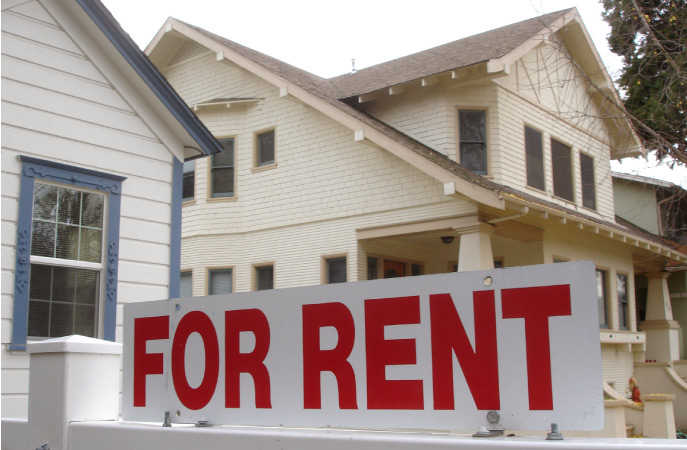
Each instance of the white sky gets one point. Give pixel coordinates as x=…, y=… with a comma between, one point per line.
x=322, y=37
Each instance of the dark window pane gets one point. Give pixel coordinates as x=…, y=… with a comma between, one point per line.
x=61, y=319
x=415, y=270
x=336, y=270
x=622, y=301
x=535, y=158
x=225, y=158
x=63, y=284
x=186, y=284
x=474, y=157
x=41, y=282
x=562, y=170
x=189, y=181
x=222, y=182
x=266, y=148
x=86, y=286
x=44, y=202
x=43, y=239
x=372, y=268
x=473, y=140
x=84, y=320
x=601, y=298
x=69, y=206
x=220, y=282
x=265, y=277
x=39, y=318
x=588, y=183
x=473, y=126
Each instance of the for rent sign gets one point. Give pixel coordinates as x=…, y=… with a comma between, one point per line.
x=429, y=352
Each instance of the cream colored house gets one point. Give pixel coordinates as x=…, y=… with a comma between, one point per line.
x=93, y=144
x=488, y=151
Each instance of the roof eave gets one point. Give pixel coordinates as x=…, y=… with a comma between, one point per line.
x=158, y=85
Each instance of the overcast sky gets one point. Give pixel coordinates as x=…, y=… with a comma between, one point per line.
x=322, y=37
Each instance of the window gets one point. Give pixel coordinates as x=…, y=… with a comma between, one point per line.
x=372, y=268
x=188, y=185
x=222, y=170
x=622, y=301
x=588, y=183
x=473, y=140
x=186, y=284
x=67, y=252
x=336, y=270
x=562, y=170
x=264, y=152
x=601, y=297
x=220, y=281
x=534, y=156
x=264, y=278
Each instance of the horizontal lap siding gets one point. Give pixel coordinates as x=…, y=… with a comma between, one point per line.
x=296, y=250
x=57, y=105
x=321, y=173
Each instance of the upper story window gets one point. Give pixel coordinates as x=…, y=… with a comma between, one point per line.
x=189, y=182
x=222, y=170
x=561, y=163
x=601, y=296
x=473, y=140
x=534, y=159
x=220, y=281
x=264, y=151
x=588, y=182
x=67, y=252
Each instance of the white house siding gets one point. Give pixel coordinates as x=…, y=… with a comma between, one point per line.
x=58, y=105
x=337, y=177
x=544, y=92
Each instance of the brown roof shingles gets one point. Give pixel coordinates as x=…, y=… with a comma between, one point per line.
x=465, y=52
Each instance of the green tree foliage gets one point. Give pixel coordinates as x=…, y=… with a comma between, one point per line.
x=651, y=37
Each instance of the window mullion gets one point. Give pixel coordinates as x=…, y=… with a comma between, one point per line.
x=66, y=263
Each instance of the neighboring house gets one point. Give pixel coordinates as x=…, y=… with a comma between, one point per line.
x=488, y=151
x=659, y=207
x=93, y=144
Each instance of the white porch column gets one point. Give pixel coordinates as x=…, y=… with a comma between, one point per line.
x=72, y=379
x=662, y=332
x=475, y=247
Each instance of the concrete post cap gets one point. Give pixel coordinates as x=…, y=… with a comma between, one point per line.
x=75, y=344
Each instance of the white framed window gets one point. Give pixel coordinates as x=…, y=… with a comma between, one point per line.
x=222, y=170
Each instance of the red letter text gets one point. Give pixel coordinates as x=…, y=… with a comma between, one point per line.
x=147, y=329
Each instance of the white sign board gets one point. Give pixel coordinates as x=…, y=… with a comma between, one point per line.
x=427, y=352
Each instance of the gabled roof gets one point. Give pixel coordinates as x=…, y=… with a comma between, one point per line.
x=644, y=180
x=201, y=142
x=482, y=47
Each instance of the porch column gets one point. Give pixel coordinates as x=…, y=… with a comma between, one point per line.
x=662, y=332
x=475, y=247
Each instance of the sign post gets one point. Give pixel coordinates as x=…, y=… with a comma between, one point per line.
x=429, y=352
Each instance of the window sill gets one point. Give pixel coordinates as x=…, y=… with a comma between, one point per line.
x=222, y=199
x=188, y=203
x=263, y=168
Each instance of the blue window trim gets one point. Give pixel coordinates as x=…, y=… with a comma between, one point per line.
x=32, y=169
x=175, y=228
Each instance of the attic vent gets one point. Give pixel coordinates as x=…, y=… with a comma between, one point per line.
x=188, y=50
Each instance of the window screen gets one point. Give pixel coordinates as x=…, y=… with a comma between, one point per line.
x=473, y=141
x=562, y=170
x=221, y=282
x=588, y=183
x=265, y=277
x=336, y=270
x=534, y=159
x=186, y=284
x=223, y=170
x=265, y=148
